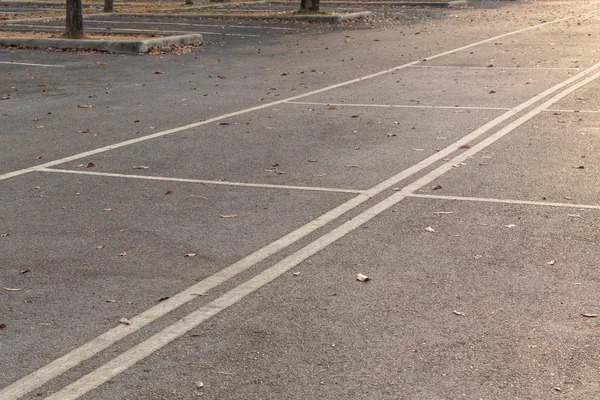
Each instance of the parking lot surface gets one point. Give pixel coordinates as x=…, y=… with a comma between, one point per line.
x=180, y=226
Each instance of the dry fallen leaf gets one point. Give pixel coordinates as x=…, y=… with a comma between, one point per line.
x=84, y=131
x=163, y=298
x=10, y=289
x=190, y=255
x=123, y=254
x=111, y=301
x=430, y=229
x=551, y=262
x=125, y=321
x=353, y=166
x=443, y=212
x=2, y=326
x=462, y=314
x=296, y=273
x=158, y=73
x=100, y=247
x=332, y=107
x=90, y=165
x=25, y=271
x=85, y=106
x=4, y=234
x=510, y=226
x=276, y=170
x=229, y=215
x=464, y=146
x=589, y=315
x=362, y=278
x=169, y=191
x=199, y=385
x=140, y=167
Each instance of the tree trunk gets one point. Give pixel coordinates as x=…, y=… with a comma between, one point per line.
x=74, y=21
x=108, y=5
x=189, y=1
x=309, y=5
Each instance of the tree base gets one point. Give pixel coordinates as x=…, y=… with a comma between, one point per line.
x=73, y=36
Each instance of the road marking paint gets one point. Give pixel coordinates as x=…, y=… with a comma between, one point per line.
x=502, y=201
x=144, y=349
x=203, y=181
x=575, y=111
x=32, y=64
x=267, y=105
x=89, y=20
x=121, y=30
x=105, y=340
x=397, y=106
x=496, y=67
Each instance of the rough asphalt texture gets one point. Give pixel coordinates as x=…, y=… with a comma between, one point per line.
x=488, y=306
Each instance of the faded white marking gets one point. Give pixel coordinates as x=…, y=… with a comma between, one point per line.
x=503, y=201
x=202, y=181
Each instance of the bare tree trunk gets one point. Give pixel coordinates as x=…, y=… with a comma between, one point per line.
x=74, y=21
x=108, y=5
x=189, y=1
x=309, y=5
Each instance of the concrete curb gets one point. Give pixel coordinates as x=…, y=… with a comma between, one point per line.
x=113, y=46
x=315, y=18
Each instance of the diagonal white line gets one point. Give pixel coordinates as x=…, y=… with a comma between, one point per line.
x=203, y=181
x=505, y=201
x=142, y=350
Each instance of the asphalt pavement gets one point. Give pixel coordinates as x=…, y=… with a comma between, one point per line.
x=181, y=226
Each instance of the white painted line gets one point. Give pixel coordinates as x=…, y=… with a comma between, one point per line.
x=121, y=30
x=93, y=347
x=89, y=20
x=397, y=106
x=575, y=111
x=32, y=64
x=144, y=349
x=266, y=105
x=206, y=182
x=496, y=67
x=502, y=201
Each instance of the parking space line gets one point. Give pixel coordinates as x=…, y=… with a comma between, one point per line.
x=88, y=20
x=32, y=64
x=144, y=349
x=202, y=181
x=397, y=106
x=273, y=103
x=120, y=30
x=504, y=201
x=105, y=340
x=495, y=67
x=575, y=111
